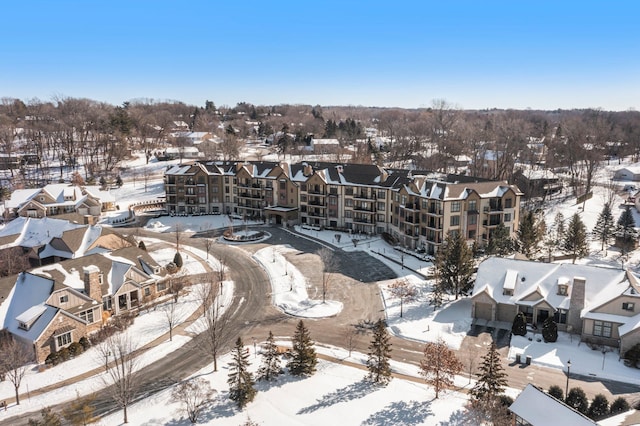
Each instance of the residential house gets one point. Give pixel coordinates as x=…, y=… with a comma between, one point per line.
x=53, y=306
x=535, y=407
x=631, y=173
x=56, y=199
x=597, y=303
x=537, y=183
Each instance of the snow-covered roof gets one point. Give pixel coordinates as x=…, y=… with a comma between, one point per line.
x=526, y=278
x=32, y=232
x=539, y=408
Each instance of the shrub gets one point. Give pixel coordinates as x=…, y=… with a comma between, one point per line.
x=75, y=349
x=142, y=246
x=599, y=407
x=52, y=359
x=64, y=354
x=118, y=180
x=556, y=392
x=619, y=405
x=505, y=400
x=85, y=343
x=549, y=330
x=632, y=356
x=577, y=399
x=519, y=327
x=177, y=259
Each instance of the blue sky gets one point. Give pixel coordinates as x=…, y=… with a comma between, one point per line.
x=475, y=54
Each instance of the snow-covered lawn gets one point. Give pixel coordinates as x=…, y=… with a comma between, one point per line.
x=289, y=286
x=336, y=394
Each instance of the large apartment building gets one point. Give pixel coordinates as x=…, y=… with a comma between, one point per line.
x=417, y=208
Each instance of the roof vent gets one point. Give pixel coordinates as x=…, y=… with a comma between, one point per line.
x=523, y=279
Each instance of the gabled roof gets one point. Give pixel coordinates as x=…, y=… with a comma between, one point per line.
x=541, y=409
x=527, y=277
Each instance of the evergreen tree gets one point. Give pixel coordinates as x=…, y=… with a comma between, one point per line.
x=240, y=380
x=177, y=259
x=599, y=407
x=491, y=379
x=454, y=265
x=118, y=181
x=604, y=227
x=270, y=368
x=529, y=234
x=303, y=356
x=626, y=230
x=554, y=236
x=575, y=238
x=549, y=330
x=500, y=242
x=559, y=225
x=519, y=326
x=437, y=295
x=619, y=405
x=556, y=392
x=379, y=355
x=577, y=399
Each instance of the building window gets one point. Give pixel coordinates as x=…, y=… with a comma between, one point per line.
x=473, y=219
x=348, y=202
x=106, y=303
x=628, y=306
x=381, y=206
x=147, y=291
x=86, y=316
x=472, y=206
x=507, y=217
x=507, y=292
x=507, y=203
x=283, y=184
x=64, y=299
x=455, y=206
x=560, y=316
x=562, y=290
x=381, y=195
x=602, y=328
x=162, y=285
x=63, y=340
x=455, y=220
x=303, y=187
x=333, y=201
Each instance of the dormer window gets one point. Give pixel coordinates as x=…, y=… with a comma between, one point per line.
x=101, y=278
x=507, y=292
x=628, y=306
x=562, y=289
x=64, y=298
x=23, y=325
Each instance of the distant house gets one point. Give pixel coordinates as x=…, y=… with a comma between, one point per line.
x=535, y=407
x=175, y=153
x=537, y=183
x=56, y=199
x=324, y=146
x=597, y=303
x=53, y=306
x=628, y=173
x=50, y=240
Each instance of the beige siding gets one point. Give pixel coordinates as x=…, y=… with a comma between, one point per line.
x=506, y=312
x=629, y=339
x=483, y=311
x=532, y=297
x=615, y=306
x=74, y=299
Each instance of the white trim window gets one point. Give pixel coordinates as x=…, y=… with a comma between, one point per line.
x=63, y=340
x=602, y=328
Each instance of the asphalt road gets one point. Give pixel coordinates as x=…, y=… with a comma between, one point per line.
x=254, y=316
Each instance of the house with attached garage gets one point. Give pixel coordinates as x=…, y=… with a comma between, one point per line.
x=602, y=305
x=52, y=306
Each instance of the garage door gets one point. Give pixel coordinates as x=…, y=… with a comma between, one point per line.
x=483, y=311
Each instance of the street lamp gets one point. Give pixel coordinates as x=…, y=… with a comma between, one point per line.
x=566, y=390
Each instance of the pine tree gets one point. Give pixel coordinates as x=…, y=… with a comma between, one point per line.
x=554, y=236
x=529, y=234
x=118, y=181
x=379, y=355
x=492, y=379
x=177, y=259
x=577, y=399
x=240, y=380
x=437, y=295
x=303, y=356
x=619, y=405
x=599, y=407
x=454, y=265
x=604, y=227
x=519, y=326
x=626, y=230
x=556, y=392
x=500, y=242
x=559, y=225
x=575, y=238
x=549, y=330
x=270, y=368
x=439, y=365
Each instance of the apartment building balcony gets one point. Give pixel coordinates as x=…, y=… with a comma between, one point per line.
x=490, y=223
x=370, y=209
x=362, y=220
x=317, y=203
x=364, y=196
x=316, y=213
x=412, y=206
x=317, y=192
x=437, y=226
x=434, y=211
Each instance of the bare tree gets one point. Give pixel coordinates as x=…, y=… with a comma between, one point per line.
x=351, y=339
x=80, y=412
x=170, y=315
x=14, y=357
x=178, y=232
x=403, y=290
x=439, y=365
x=222, y=268
x=329, y=265
x=214, y=324
x=194, y=395
x=208, y=243
x=120, y=377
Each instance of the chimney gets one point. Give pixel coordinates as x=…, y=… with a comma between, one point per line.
x=576, y=304
x=92, y=284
